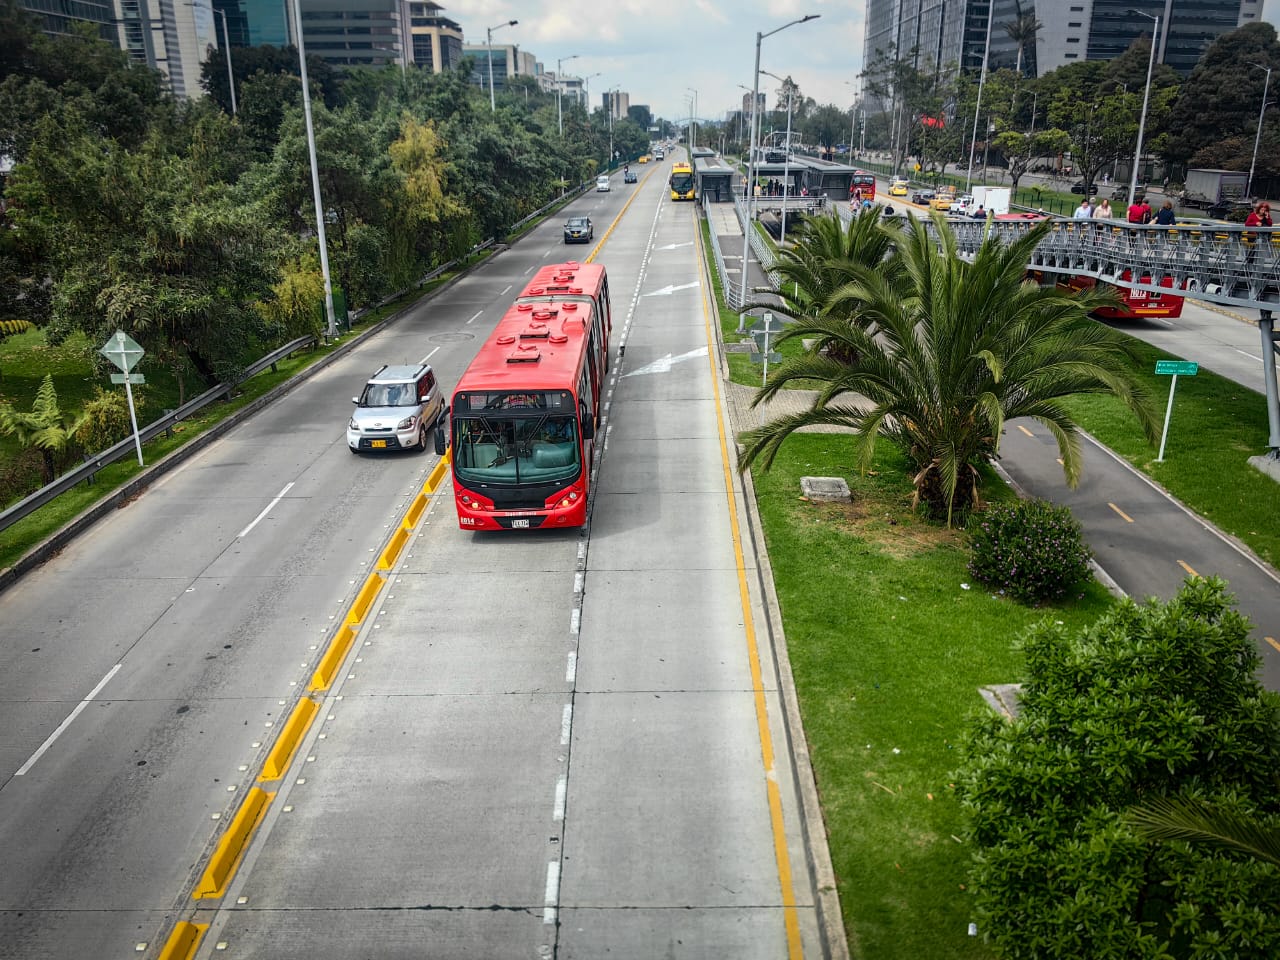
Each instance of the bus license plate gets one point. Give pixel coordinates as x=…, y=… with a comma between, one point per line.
x=377, y=443
x=520, y=524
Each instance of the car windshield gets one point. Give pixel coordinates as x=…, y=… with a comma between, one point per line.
x=525, y=449
x=577, y=223
x=389, y=395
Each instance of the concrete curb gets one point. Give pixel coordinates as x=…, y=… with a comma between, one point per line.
x=835, y=944
x=122, y=497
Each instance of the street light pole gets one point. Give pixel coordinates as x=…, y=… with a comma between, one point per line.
x=332, y=327
x=1146, y=96
x=982, y=79
x=231, y=77
x=693, y=131
x=786, y=158
x=1257, y=137
x=488, y=37
x=560, y=91
x=749, y=202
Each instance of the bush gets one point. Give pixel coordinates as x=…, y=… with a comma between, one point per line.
x=106, y=420
x=1031, y=550
x=19, y=476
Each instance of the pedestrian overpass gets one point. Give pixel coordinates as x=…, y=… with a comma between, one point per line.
x=1220, y=263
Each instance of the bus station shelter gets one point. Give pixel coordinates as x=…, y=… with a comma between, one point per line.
x=713, y=179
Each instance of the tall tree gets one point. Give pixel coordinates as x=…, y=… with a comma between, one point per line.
x=1023, y=31
x=1222, y=98
x=944, y=352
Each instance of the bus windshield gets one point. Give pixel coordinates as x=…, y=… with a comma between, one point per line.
x=682, y=182
x=516, y=449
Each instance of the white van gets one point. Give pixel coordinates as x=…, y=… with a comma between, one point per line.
x=602, y=183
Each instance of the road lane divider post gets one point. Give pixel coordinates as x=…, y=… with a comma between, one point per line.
x=183, y=941
x=232, y=845
x=286, y=745
x=364, y=599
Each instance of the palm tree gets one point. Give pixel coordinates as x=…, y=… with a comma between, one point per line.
x=945, y=351
x=46, y=427
x=1022, y=31
x=822, y=258
x=1181, y=818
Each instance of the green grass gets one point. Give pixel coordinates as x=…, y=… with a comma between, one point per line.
x=1217, y=425
x=888, y=651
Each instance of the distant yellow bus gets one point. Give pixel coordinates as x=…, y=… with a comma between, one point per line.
x=681, y=181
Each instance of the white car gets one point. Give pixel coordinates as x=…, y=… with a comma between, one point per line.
x=602, y=183
x=962, y=203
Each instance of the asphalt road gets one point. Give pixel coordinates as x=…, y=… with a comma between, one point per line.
x=547, y=746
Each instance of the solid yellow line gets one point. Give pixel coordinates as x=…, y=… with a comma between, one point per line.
x=1127, y=518
x=1025, y=430
x=1185, y=567
x=1272, y=641
x=795, y=948
x=618, y=218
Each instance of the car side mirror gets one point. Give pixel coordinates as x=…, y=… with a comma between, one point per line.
x=442, y=443
x=355, y=400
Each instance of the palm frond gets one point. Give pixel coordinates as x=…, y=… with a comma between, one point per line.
x=1197, y=822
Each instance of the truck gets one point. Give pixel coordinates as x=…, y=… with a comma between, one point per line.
x=992, y=199
x=1206, y=187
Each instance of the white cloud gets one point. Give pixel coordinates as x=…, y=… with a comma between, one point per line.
x=655, y=49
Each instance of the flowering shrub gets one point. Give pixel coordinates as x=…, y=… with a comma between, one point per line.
x=1031, y=550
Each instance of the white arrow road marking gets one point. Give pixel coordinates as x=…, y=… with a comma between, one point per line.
x=668, y=290
x=675, y=246
x=664, y=364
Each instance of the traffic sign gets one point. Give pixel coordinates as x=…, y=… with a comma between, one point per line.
x=1178, y=368
x=134, y=378
x=122, y=350
x=759, y=358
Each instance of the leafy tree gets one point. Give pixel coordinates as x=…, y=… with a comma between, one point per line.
x=139, y=241
x=1153, y=701
x=47, y=428
x=945, y=351
x=1221, y=99
x=1020, y=150
x=639, y=114
x=269, y=61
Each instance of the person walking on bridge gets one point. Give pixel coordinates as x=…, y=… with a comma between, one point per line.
x=1103, y=210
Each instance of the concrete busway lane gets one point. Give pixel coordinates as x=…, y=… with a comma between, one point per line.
x=199, y=634
x=504, y=774
x=438, y=759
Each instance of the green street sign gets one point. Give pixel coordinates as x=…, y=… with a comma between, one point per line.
x=1178, y=368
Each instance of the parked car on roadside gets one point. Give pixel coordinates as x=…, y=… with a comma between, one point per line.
x=1080, y=188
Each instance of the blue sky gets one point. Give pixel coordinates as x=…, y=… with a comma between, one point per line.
x=656, y=49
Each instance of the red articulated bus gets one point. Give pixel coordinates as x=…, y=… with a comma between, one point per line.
x=524, y=414
x=1134, y=304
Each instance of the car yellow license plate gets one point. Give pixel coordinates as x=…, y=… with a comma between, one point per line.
x=377, y=443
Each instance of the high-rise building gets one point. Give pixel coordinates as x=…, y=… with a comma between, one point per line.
x=253, y=23
x=933, y=34
x=616, y=104
x=508, y=61
x=437, y=40
x=357, y=33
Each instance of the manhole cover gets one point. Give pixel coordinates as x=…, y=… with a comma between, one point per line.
x=450, y=337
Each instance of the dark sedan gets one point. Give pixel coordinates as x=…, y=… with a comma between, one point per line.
x=579, y=230
x=629, y=176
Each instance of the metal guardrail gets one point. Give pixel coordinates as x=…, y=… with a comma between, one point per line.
x=152, y=430
x=732, y=292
